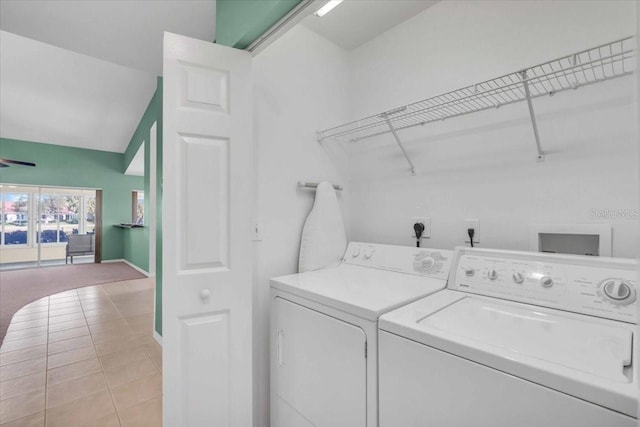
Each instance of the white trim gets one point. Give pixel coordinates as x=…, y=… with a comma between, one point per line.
x=157, y=337
x=135, y=267
x=603, y=231
x=152, y=197
x=291, y=19
x=107, y=261
x=155, y=307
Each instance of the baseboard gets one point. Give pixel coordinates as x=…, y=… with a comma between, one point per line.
x=107, y=261
x=157, y=337
x=135, y=267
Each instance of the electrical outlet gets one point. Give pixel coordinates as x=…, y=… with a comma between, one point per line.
x=426, y=221
x=475, y=224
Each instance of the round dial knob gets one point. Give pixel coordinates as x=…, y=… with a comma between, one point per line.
x=546, y=281
x=492, y=274
x=518, y=277
x=618, y=291
x=425, y=263
x=368, y=253
x=428, y=262
x=356, y=253
x=469, y=272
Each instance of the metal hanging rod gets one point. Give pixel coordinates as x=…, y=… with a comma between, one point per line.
x=598, y=64
x=306, y=184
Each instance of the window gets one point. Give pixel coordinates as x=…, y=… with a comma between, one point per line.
x=58, y=217
x=15, y=218
x=48, y=218
x=137, y=207
x=57, y=212
x=69, y=214
x=89, y=224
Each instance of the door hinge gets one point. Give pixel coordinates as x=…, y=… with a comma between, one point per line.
x=365, y=349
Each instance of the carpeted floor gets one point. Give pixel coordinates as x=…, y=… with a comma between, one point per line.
x=20, y=287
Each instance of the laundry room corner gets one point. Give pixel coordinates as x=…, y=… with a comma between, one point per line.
x=484, y=165
x=300, y=85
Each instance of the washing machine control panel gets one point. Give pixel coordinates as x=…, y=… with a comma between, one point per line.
x=404, y=259
x=604, y=287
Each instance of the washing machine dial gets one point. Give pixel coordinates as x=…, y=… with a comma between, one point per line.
x=618, y=291
x=492, y=274
x=546, y=282
x=469, y=272
x=518, y=277
x=356, y=252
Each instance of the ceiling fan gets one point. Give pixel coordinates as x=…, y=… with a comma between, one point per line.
x=5, y=163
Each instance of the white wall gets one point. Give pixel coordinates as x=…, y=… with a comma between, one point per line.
x=300, y=85
x=637, y=342
x=483, y=165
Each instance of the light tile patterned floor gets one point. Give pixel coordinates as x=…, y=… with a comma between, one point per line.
x=84, y=357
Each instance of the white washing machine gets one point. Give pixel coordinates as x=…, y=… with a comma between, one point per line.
x=324, y=331
x=516, y=339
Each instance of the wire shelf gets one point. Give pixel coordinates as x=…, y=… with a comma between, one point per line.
x=601, y=63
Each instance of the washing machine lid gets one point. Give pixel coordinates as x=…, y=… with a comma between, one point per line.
x=584, y=345
x=580, y=355
x=360, y=291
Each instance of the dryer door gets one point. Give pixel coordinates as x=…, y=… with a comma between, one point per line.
x=318, y=369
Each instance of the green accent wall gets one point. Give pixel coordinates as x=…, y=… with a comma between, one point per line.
x=240, y=22
x=136, y=242
x=61, y=166
x=135, y=245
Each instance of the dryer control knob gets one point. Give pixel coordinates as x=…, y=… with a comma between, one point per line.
x=618, y=291
x=546, y=282
x=492, y=275
x=368, y=253
x=518, y=277
x=469, y=272
x=356, y=252
x=428, y=262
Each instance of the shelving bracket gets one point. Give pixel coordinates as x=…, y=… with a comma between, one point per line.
x=385, y=116
x=525, y=83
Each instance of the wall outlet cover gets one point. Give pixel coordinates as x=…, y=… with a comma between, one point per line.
x=475, y=224
x=427, y=226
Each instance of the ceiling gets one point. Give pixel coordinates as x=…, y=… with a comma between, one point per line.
x=84, y=71
x=53, y=95
x=355, y=22
x=128, y=32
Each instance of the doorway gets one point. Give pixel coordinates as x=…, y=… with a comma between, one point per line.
x=36, y=222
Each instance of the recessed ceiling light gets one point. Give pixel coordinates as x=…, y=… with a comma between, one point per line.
x=327, y=7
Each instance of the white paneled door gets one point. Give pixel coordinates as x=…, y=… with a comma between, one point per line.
x=206, y=234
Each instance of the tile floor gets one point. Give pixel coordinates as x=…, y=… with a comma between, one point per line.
x=84, y=357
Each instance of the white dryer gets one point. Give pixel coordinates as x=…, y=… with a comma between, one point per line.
x=516, y=339
x=324, y=331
